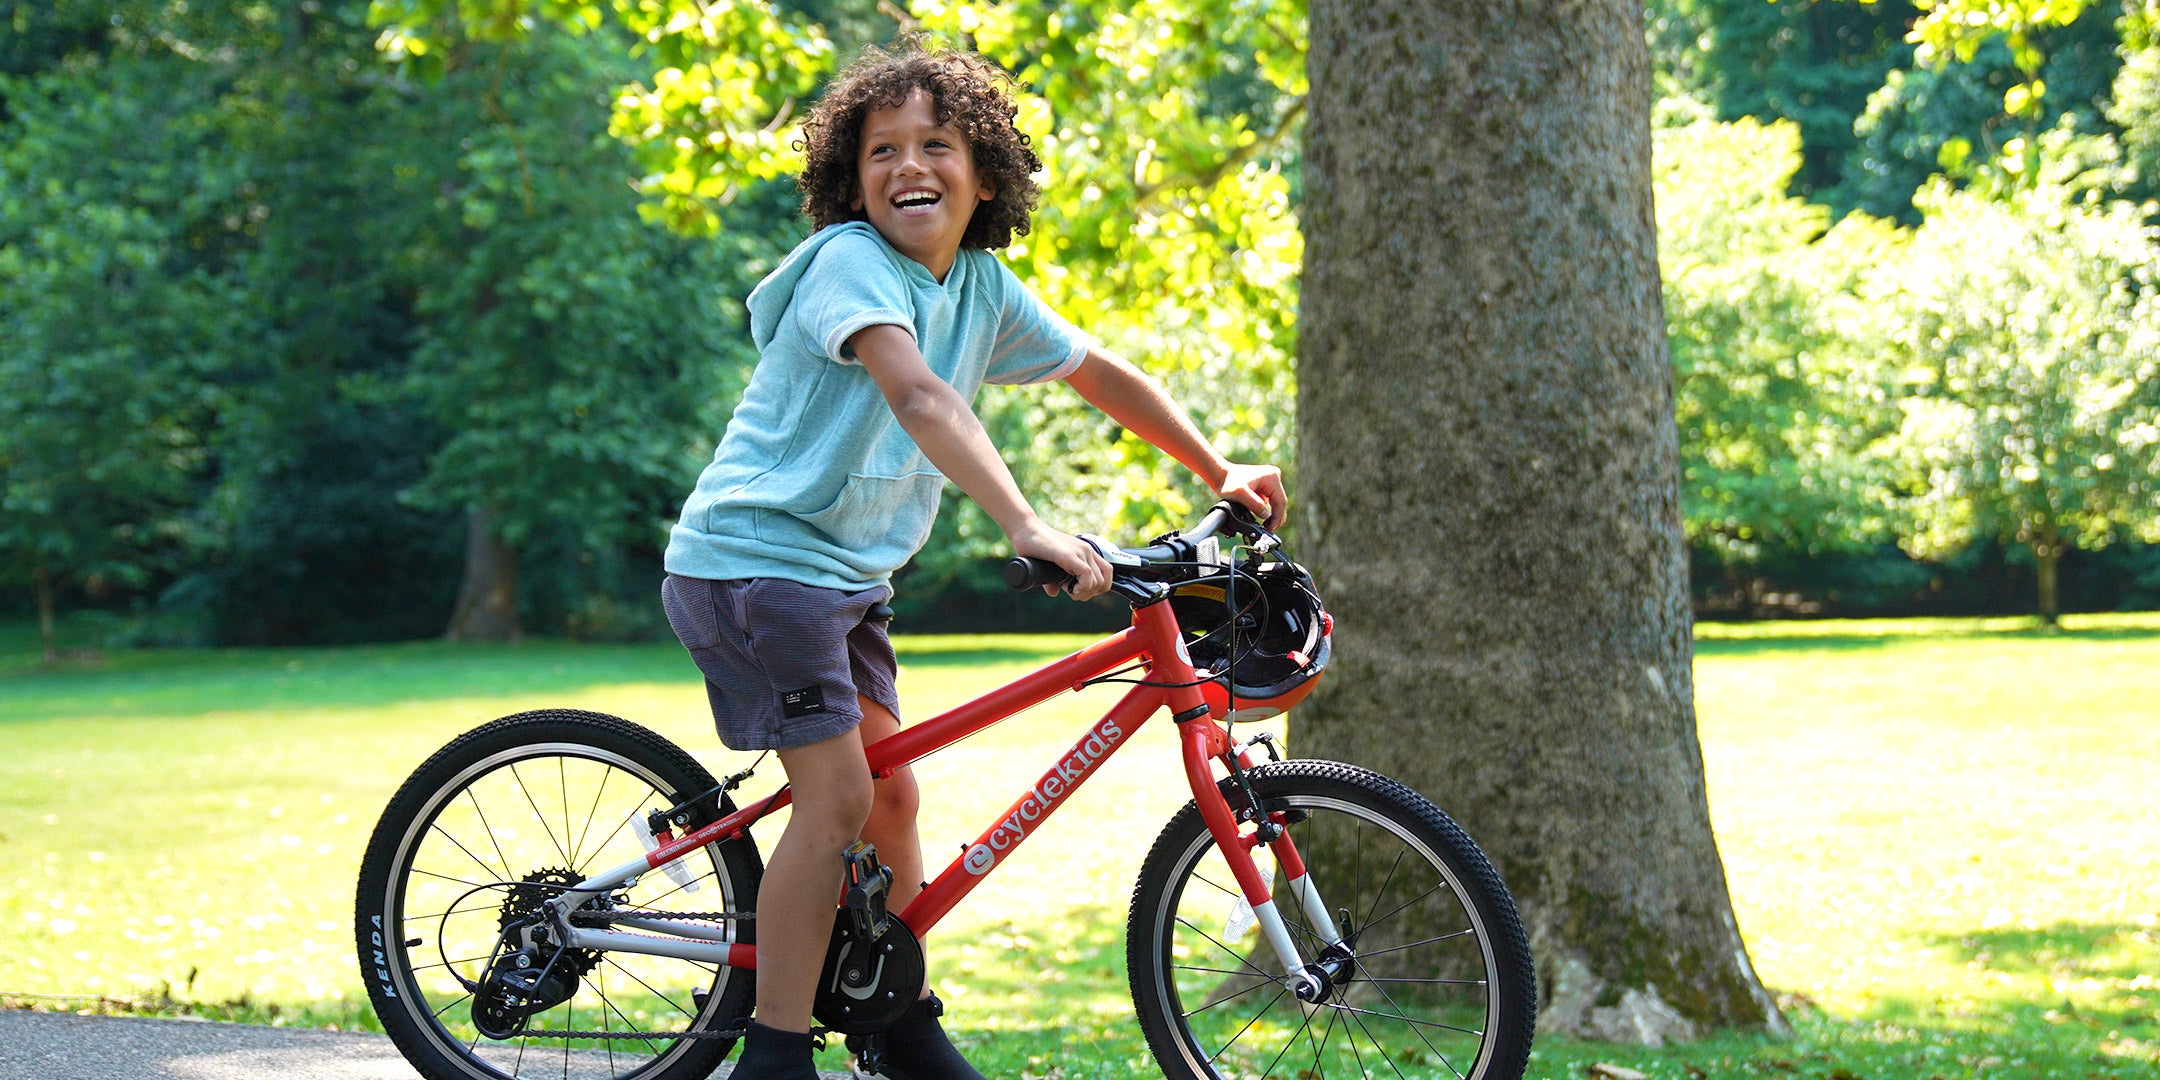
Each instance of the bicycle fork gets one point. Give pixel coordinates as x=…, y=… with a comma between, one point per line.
x=1310, y=979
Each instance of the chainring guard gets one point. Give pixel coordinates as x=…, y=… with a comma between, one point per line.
x=865, y=986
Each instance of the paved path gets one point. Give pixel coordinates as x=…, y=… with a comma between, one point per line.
x=63, y=1046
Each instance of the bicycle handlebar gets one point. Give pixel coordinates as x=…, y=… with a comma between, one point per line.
x=1132, y=564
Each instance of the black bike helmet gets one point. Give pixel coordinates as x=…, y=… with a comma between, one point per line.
x=1270, y=654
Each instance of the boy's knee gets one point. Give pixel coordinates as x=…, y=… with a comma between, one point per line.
x=846, y=808
x=896, y=798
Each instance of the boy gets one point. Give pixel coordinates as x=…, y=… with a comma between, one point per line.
x=873, y=338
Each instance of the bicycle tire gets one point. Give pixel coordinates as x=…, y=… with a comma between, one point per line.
x=473, y=834
x=1441, y=983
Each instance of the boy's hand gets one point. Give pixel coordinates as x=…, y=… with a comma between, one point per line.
x=1087, y=566
x=1259, y=488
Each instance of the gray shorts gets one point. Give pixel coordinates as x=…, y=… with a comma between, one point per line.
x=783, y=661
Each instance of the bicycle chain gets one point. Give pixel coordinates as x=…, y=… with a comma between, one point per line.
x=648, y=1036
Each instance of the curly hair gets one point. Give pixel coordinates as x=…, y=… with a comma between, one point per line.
x=968, y=93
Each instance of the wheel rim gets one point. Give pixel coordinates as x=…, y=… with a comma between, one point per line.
x=1415, y=999
x=515, y=815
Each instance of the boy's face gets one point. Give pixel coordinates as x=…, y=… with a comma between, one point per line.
x=916, y=182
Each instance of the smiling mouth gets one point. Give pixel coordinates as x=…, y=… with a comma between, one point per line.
x=913, y=200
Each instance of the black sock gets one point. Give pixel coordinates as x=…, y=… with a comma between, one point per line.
x=917, y=1049
x=770, y=1054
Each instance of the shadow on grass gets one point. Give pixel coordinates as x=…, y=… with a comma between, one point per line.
x=2107, y=951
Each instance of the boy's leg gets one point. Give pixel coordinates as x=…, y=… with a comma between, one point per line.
x=916, y=1044
x=891, y=828
x=832, y=795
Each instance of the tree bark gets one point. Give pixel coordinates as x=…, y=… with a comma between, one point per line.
x=486, y=607
x=41, y=584
x=1490, y=464
x=2047, y=560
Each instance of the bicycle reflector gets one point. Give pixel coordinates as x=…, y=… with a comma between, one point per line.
x=1266, y=657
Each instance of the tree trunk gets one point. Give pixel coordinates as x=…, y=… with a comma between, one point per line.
x=2047, y=559
x=41, y=584
x=1490, y=464
x=487, y=602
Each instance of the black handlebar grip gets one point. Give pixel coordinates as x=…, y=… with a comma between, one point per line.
x=1242, y=512
x=1022, y=572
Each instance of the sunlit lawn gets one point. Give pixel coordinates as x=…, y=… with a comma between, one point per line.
x=1942, y=838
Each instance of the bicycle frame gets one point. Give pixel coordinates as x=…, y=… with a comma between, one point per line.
x=1171, y=684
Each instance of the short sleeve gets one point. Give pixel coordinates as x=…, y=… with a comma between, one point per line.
x=851, y=284
x=1034, y=343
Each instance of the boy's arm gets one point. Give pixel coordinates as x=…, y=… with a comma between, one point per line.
x=945, y=427
x=1140, y=403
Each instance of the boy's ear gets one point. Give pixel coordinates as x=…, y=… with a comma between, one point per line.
x=855, y=202
x=986, y=191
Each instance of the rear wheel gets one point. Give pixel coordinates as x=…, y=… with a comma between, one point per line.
x=493, y=825
x=1432, y=978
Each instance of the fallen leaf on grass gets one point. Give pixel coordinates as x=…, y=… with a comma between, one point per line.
x=1610, y=1071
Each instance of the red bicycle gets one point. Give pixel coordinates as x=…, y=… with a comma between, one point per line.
x=564, y=893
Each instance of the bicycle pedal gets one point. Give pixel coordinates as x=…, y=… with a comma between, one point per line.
x=868, y=884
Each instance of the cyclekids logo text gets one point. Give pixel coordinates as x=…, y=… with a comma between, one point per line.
x=1044, y=797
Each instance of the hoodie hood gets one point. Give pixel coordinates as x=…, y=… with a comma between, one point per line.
x=770, y=300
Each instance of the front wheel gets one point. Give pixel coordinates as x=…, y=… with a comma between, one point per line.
x=1431, y=978
x=494, y=824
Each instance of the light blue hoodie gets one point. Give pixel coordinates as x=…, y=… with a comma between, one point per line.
x=815, y=481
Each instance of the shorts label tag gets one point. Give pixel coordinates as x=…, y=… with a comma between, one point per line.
x=803, y=702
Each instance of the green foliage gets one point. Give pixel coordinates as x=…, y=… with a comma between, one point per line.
x=1778, y=395
x=2136, y=107
x=1959, y=114
x=578, y=357
x=725, y=77
x=1169, y=137
x=117, y=318
x=2028, y=321
x=240, y=243
x=1813, y=62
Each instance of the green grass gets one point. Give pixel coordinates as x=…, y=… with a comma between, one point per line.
x=1943, y=838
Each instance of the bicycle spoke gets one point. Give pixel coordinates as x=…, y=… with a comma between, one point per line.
x=1318, y=1070
x=452, y=1003
x=477, y=860
x=624, y=823
x=1239, y=957
x=1287, y=1044
x=1370, y=923
x=594, y=811
x=1279, y=992
x=1257, y=984
x=1419, y=1032
x=629, y=1025
x=1384, y=883
x=672, y=1003
x=1413, y=1021
x=562, y=777
x=525, y=789
x=457, y=880
x=1205, y=880
x=1398, y=948
x=508, y=873
x=1378, y=1049
x=450, y=963
x=1219, y=971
